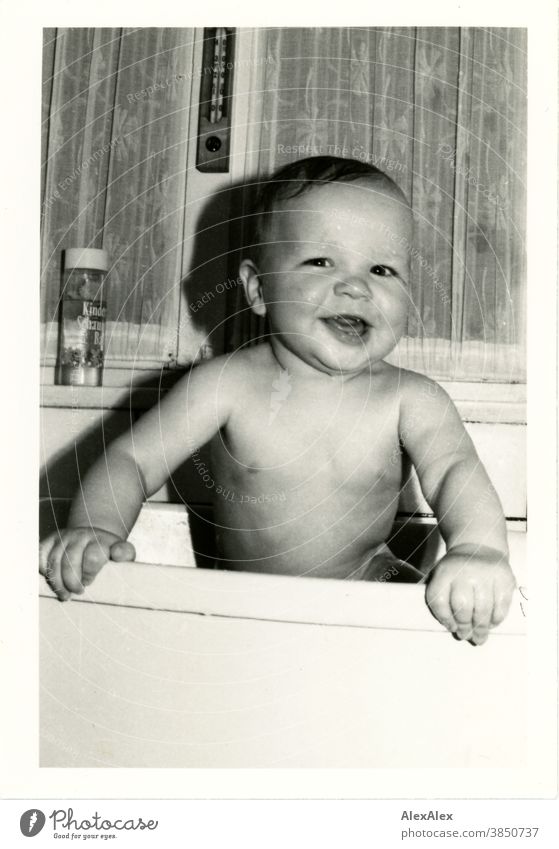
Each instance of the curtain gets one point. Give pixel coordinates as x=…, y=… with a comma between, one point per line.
x=443, y=111
x=114, y=153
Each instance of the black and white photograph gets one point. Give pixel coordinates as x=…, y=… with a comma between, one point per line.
x=286, y=284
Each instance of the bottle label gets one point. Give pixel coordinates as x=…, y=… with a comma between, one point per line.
x=83, y=333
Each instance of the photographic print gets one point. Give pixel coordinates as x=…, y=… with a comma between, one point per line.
x=283, y=397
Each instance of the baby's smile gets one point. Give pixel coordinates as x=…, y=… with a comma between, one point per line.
x=348, y=328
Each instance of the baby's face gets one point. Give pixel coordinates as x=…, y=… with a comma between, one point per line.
x=335, y=278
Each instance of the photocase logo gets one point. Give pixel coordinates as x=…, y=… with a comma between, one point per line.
x=31, y=822
x=63, y=820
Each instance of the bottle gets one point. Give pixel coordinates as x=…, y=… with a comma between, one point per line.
x=82, y=324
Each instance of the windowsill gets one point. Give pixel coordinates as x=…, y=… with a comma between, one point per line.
x=122, y=390
x=100, y=397
x=496, y=403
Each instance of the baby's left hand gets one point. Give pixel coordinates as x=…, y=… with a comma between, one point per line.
x=470, y=591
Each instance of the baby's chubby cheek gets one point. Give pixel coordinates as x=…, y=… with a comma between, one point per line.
x=388, y=335
x=293, y=302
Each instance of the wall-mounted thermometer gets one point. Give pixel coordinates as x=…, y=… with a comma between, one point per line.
x=216, y=90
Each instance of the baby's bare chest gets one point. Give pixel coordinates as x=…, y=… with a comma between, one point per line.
x=347, y=438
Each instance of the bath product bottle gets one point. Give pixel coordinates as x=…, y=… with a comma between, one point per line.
x=82, y=320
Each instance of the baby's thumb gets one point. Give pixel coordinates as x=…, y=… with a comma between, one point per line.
x=123, y=551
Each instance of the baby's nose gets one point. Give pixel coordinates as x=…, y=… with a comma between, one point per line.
x=355, y=287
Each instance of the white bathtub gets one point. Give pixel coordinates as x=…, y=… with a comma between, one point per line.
x=166, y=666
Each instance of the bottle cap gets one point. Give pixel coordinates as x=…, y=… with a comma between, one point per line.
x=86, y=258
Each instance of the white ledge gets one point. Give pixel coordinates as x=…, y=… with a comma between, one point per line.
x=243, y=595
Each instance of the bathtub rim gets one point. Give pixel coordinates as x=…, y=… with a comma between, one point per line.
x=279, y=598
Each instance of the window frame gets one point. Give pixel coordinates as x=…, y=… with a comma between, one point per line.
x=476, y=401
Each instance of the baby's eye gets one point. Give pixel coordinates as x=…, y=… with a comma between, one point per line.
x=318, y=262
x=383, y=271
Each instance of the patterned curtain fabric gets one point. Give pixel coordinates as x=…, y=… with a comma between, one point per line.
x=443, y=112
x=115, y=110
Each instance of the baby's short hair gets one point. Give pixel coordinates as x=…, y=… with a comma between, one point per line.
x=304, y=174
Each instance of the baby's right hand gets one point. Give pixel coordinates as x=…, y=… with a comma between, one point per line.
x=70, y=559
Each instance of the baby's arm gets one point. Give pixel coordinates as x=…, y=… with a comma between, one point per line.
x=131, y=469
x=471, y=587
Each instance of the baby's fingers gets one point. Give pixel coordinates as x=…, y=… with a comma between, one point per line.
x=462, y=606
x=50, y=567
x=71, y=566
x=123, y=551
x=96, y=554
x=45, y=548
x=483, y=608
x=437, y=596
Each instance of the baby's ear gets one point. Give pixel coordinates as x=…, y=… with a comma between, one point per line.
x=249, y=274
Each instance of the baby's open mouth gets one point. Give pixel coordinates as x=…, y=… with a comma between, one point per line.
x=351, y=328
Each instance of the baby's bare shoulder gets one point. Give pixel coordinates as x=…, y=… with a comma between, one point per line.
x=230, y=375
x=243, y=368
x=409, y=385
x=424, y=400
x=413, y=384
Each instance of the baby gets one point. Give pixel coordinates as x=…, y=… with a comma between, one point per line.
x=307, y=428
